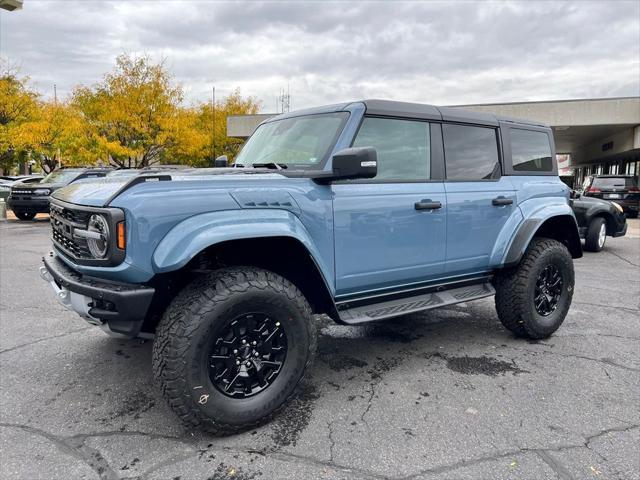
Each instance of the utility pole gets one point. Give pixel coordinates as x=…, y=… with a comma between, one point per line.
x=55, y=94
x=213, y=124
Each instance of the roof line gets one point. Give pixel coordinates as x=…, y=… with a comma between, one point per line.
x=546, y=101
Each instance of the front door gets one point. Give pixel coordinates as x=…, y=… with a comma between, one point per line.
x=390, y=230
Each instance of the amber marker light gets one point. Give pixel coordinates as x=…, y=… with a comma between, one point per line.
x=122, y=242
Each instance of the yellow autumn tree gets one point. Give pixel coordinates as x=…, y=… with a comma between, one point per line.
x=215, y=130
x=133, y=112
x=57, y=134
x=17, y=105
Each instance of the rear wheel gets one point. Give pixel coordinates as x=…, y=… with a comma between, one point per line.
x=233, y=348
x=596, y=235
x=24, y=215
x=533, y=298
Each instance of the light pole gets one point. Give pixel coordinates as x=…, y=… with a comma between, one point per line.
x=213, y=124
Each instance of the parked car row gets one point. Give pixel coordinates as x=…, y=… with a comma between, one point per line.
x=27, y=196
x=598, y=215
x=7, y=182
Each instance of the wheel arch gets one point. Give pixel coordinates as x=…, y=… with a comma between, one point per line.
x=561, y=227
x=608, y=218
x=274, y=240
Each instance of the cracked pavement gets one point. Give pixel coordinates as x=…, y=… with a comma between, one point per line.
x=448, y=394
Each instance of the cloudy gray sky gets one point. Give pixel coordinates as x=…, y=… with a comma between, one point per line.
x=432, y=52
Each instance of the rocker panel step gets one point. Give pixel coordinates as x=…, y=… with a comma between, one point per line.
x=418, y=303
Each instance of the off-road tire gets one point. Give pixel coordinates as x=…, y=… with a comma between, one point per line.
x=183, y=339
x=593, y=231
x=24, y=215
x=515, y=290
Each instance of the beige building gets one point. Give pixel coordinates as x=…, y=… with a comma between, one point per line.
x=595, y=136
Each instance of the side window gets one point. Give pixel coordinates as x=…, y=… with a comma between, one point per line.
x=530, y=151
x=471, y=153
x=403, y=147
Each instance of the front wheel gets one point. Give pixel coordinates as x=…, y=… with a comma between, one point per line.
x=596, y=235
x=533, y=298
x=24, y=215
x=232, y=349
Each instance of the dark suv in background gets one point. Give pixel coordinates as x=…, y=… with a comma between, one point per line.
x=622, y=189
x=28, y=200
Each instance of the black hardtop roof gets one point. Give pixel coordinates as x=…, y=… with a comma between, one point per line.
x=432, y=112
x=392, y=108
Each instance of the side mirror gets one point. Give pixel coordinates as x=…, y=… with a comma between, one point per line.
x=352, y=163
x=221, y=162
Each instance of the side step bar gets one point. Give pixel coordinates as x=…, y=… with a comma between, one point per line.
x=418, y=303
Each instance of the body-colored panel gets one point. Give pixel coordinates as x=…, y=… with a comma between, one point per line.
x=154, y=209
x=474, y=223
x=381, y=240
x=196, y=233
x=539, y=199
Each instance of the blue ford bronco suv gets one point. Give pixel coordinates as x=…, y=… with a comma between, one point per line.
x=362, y=211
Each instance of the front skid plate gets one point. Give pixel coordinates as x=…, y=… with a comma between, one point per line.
x=426, y=301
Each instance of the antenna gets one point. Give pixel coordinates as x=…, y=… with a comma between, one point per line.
x=284, y=100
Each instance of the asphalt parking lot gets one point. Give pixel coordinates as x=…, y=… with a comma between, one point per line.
x=447, y=394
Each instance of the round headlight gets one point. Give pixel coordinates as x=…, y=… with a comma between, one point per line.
x=42, y=191
x=99, y=247
x=618, y=207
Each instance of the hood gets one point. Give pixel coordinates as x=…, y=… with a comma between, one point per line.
x=590, y=201
x=98, y=192
x=93, y=192
x=36, y=186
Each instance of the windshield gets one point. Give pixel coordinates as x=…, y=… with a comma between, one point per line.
x=293, y=142
x=61, y=176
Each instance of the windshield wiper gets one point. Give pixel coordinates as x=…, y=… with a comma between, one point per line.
x=273, y=165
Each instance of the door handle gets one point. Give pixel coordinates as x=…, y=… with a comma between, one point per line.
x=497, y=202
x=427, y=204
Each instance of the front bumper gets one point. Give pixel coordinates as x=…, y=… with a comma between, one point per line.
x=122, y=307
x=621, y=232
x=33, y=204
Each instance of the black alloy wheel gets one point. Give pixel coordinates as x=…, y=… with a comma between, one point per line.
x=548, y=290
x=247, y=355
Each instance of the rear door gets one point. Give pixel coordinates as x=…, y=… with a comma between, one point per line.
x=479, y=198
x=390, y=230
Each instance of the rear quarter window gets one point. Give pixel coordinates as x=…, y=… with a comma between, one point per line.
x=530, y=151
x=471, y=153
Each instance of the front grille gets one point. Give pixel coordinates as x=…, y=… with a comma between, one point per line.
x=63, y=222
